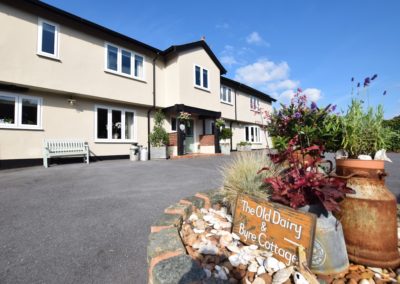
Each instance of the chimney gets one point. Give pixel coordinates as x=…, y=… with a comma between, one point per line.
x=203, y=38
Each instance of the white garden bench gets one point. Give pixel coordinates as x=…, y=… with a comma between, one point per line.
x=65, y=147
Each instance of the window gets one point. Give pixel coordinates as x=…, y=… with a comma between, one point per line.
x=201, y=79
x=115, y=125
x=254, y=103
x=252, y=134
x=173, y=123
x=20, y=111
x=48, y=39
x=124, y=62
x=226, y=95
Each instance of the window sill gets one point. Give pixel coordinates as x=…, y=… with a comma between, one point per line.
x=125, y=76
x=49, y=56
x=3, y=127
x=226, y=103
x=97, y=141
x=202, y=88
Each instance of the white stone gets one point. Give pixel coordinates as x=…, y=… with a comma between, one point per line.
x=364, y=281
x=381, y=155
x=193, y=217
x=217, y=226
x=204, y=210
x=281, y=265
x=260, y=260
x=229, y=218
x=299, y=278
x=261, y=270
x=198, y=231
x=209, y=249
x=236, y=237
x=364, y=157
x=208, y=272
x=265, y=253
x=233, y=248
x=225, y=240
x=253, y=267
x=282, y=275
x=208, y=218
x=209, y=235
x=377, y=275
x=234, y=260
x=222, y=275
x=271, y=264
x=341, y=154
x=217, y=267
x=376, y=269
x=225, y=225
x=253, y=247
x=213, y=231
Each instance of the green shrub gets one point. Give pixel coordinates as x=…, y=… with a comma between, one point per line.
x=226, y=133
x=159, y=136
x=240, y=175
x=243, y=143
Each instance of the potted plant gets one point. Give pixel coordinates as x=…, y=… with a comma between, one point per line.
x=363, y=136
x=306, y=187
x=225, y=134
x=243, y=146
x=158, y=137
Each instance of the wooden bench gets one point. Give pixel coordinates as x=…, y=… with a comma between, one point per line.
x=65, y=147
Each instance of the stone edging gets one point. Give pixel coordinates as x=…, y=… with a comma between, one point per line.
x=167, y=259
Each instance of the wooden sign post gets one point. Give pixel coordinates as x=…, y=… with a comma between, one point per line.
x=274, y=227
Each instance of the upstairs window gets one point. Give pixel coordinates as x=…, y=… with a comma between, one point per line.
x=252, y=134
x=254, y=103
x=124, y=62
x=48, y=39
x=226, y=95
x=20, y=111
x=201, y=79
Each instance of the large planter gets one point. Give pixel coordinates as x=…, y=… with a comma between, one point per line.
x=158, y=152
x=243, y=148
x=225, y=148
x=329, y=249
x=369, y=217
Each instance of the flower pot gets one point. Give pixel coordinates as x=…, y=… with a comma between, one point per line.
x=329, y=249
x=244, y=148
x=225, y=148
x=158, y=152
x=369, y=217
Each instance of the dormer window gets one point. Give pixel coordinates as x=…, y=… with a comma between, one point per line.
x=48, y=39
x=201, y=79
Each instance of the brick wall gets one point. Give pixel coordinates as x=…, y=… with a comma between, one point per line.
x=207, y=140
x=173, y=139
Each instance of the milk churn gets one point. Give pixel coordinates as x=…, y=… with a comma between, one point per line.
x=329, y=249
x=368, y=217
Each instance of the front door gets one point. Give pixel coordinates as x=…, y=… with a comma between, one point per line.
x=189, y=136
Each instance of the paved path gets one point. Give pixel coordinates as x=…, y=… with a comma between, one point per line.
x=89, y=224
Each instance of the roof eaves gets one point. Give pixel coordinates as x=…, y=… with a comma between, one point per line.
x=246, y=88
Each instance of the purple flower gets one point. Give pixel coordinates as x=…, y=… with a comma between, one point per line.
x=334, y=107
x=367, y=81
x=313, y=106
x=299, y=90
x=374, y=77
x=352, y=79
x=358, y=85
x=384, y=93
x=297, y=115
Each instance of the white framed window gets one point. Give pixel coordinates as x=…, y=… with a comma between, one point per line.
x=174, y=124
x=254, y=103
x=20, y=111
x=201, y=77
x=114, y=124
x=48, y=39
x=124, y=62
x=252, y=134
x=226, y=95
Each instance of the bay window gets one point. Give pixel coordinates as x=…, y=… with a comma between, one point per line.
x=124, y=62
x=252, y=134
x=114, y=125
x=17, y=111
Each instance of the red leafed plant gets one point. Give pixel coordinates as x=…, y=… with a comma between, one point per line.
x=304, y=182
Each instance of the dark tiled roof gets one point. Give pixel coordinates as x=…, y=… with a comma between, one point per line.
x=239, y=86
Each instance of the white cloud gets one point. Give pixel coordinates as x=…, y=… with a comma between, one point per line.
x=262, y=72
x=228, y=60
x=312, y=94
x=255, y=38
x=222, y=26
x=282, y=85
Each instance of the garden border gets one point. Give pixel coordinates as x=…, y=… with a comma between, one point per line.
x=167, y=258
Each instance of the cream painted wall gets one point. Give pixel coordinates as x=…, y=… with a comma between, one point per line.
x=189, y=94
x=62, y=121
x=170, y=90
x=79, y=70
x=238, y=130
x=245, y=114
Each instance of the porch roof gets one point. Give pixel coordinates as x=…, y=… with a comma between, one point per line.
x=192, y=110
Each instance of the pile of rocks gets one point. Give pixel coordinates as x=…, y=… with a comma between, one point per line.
x=207, y=237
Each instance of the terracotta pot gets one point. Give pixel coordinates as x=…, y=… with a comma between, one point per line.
x=369, y=217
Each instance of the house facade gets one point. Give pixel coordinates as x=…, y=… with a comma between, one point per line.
x=64, y=77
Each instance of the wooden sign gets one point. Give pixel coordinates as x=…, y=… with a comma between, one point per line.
x=274, y=227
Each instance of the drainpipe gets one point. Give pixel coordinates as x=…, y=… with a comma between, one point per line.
x=230, y=126
x=154, y=104
x=235, y=117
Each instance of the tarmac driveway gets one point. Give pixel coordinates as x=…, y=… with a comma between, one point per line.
x=83, y=223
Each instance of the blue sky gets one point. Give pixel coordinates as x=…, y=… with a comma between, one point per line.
x=275, y=46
